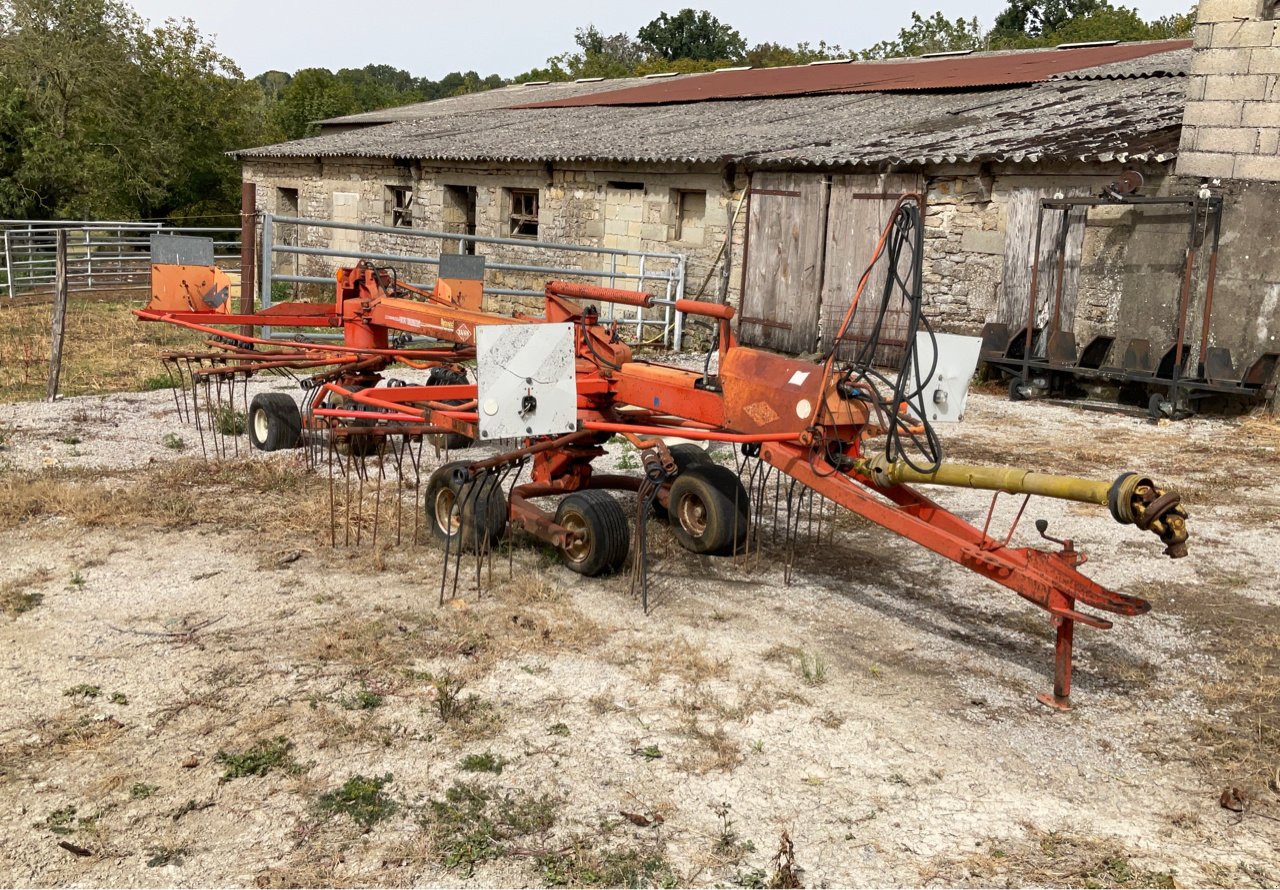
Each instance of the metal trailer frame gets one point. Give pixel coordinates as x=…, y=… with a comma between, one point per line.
x=1040, y=360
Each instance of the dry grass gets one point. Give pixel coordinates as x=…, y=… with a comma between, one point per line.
x=1046, y=859
x=105, y=349
x=67, y=732
x=16, y=596
x=1240, y=745
x=271, y=496
x=1261, y=428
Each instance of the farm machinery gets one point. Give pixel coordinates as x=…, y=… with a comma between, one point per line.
x=548, y=391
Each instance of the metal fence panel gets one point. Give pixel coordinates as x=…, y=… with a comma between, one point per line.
x=661, y=274
x=101, y=255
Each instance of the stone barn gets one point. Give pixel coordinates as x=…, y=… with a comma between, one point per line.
x=784, y=178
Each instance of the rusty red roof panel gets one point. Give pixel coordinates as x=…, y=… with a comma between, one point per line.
x=952, y=73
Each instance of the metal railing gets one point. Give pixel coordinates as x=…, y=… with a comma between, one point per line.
x=661, y=274
x=104, y=255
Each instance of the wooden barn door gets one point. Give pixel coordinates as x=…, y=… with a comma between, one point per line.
x=1019, y=244
x=860, y=207
x=782, y=274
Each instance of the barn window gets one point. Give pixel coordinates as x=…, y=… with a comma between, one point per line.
x=287, y=202
x=398, y=206
x=691, y=210
x=524, y=213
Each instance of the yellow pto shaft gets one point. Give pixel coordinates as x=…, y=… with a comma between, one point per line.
x=1131, y=498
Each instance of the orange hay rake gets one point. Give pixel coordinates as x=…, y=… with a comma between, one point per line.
x=838, y=431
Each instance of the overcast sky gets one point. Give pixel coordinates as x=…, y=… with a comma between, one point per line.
x=505, y=37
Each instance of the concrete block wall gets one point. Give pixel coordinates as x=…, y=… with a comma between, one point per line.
x=1231, y=127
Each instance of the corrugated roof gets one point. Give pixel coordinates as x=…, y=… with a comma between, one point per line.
x=1175, y=63
x=1134, y=119
x=504, y=97
x=951, y=73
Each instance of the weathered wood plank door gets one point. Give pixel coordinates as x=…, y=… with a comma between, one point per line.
x=860, y=207
x=782, y=273
x=1020, y=243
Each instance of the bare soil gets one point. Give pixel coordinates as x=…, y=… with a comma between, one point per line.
x=171, y=622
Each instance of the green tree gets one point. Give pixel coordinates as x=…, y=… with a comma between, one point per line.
x=1039, y=18
x=198, y=107
x=598, y=55
x=73, y=91
x=313, y=94
x=935, y=34
x=692, y=34
x=774, y=55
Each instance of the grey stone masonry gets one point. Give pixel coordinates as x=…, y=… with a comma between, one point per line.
x=1231, y=127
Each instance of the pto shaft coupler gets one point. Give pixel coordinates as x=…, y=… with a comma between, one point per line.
x=1133, y=499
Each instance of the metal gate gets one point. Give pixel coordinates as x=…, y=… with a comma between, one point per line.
x=288, y=240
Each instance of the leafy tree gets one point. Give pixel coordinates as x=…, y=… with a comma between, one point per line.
x=204, y=108
x=1039, y=18
x=598, y=55
x=314, y=94
x=774, y=55
x=105, y=118
x=273, y=83
x=935, y=34
x=692, y=34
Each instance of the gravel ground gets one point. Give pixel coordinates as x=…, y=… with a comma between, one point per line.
x=878, y=706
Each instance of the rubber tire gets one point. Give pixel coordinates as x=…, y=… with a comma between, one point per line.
x=274, y=422
x=709, y=510
x=483, y=519
x=608, y=536
x=449, y=441
x=1015, y=390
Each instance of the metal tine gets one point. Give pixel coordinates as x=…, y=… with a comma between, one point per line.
x=471, y=489
x=377, y=496
x=346, y=473
x=195, y=410
x=333, y=517
x=511, y=535
x=358, y=463
x=188, y=377
x=244, y=397
x=174, y=386
x=417, y=485
x=399, y=453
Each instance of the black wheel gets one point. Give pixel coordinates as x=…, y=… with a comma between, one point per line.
x=462, y=511
x=602, y=523
x=449, y=377
x=274, y=422
x=1015, y=390
x=686, y=455
x=708, y=507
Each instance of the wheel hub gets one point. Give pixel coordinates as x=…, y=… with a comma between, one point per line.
x=692, y=514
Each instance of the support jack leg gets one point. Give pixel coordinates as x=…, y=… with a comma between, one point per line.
x=1061, y=695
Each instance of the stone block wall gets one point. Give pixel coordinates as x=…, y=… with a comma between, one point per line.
x=575, y=207
x=968, y=235
x=1231, y=127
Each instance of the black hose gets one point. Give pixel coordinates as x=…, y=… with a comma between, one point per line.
x=906, y=240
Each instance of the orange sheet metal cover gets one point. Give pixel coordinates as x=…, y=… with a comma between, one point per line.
x=190, y=289
x=952, y=73
x=768, y=393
